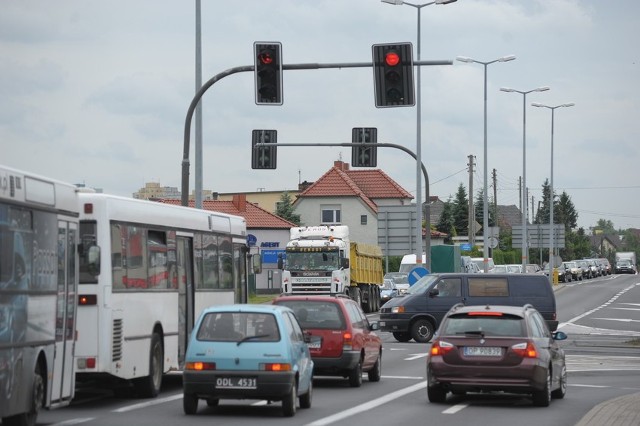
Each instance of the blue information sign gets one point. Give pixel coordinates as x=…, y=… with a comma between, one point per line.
x=465, y=247
x=417, y=273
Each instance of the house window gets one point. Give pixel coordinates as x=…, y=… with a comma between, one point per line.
x=363, y=219
x=330, y=214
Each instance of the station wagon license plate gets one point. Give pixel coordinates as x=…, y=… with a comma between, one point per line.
x=236, y=382
x=482, y=351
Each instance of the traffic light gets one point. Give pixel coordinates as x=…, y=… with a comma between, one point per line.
x=268, y=72
x=393, y=75
x=263, y=157
x=366, y=154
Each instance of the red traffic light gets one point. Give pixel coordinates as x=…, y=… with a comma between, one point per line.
x=266, y=58
x=392, y=58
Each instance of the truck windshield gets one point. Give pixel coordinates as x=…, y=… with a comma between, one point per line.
x=313, y=261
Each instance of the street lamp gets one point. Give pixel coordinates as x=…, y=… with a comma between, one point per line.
x=418, y=131
x=551, y=233
x=525, y=247
x=485, y=204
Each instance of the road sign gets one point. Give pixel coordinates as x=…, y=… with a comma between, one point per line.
x=465, y=247
x=493, y=242
x=417, y=273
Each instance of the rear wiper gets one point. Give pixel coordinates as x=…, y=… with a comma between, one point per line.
x=257, y=336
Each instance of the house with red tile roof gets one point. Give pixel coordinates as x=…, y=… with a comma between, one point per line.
x=354, y=198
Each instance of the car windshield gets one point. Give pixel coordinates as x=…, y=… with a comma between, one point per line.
x=316, y=314
x=239, y=326
x=504, y=325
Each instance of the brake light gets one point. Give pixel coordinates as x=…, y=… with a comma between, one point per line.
x=484, y=314
x=88, y=208
x=347, y=341
x=525, y=350
x=440, y=347
x=200, y=366
x=275, y=367
x=86, y=363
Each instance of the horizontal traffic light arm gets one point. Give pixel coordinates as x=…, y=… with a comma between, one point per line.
x=251, y=68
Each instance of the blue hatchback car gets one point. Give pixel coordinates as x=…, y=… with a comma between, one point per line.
x=248, y=352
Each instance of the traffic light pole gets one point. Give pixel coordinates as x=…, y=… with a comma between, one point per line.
x=427, y=247
x=312, y=66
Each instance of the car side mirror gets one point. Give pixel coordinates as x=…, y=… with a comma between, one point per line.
x=559, y=335
x=434, y=292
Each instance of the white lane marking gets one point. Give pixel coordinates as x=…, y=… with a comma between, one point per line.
x=415, y=356
x=588, y=386
x=404, y=377
x=608, y=302
x=74, y=421
x=148, y=403
x=618, y=319
x=455, y=408
x=368, y=405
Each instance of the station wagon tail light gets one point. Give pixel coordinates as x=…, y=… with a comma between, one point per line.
x=525, y=350
x=276, y=366
x=440, y=347
x=397, y=310
x=200, y=366
x=484, y=314
x=347, y=341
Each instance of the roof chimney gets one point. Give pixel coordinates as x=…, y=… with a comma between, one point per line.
x=240, y=202
x=341, y=165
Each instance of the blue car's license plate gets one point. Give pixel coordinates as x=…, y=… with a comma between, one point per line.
x=236, y=382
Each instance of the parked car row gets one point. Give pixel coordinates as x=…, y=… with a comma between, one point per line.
x=273, y=351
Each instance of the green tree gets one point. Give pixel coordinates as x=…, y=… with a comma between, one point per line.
x=605, y=226
x=446, y=223
x=461, y=211
x=565, y=212
x=479, y=209
x=285, y=209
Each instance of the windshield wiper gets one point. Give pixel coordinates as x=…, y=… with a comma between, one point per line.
x=257, y=336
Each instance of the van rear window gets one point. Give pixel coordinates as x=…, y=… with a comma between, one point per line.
x=488, y=287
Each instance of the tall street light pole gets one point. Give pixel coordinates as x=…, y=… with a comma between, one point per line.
x=418, y=131
x=525, y=245
x=551, y=233
x=485, y=195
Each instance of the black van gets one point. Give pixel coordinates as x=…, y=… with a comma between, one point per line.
x=417, y=314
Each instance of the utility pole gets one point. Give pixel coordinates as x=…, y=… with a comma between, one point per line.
x=520, y=190
x=472, y=216
x=495, y=196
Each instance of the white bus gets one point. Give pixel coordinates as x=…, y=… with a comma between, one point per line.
x=147, y=270
x=38, y=283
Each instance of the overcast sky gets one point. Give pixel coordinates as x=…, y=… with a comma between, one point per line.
x=97, y=92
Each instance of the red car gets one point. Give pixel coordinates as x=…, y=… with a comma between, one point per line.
x=343, y=342
x=496, y=348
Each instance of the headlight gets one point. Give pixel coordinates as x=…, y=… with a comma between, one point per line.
x=397, y=309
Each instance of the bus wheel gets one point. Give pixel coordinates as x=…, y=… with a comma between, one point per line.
x=149, y=386
x=37, y=402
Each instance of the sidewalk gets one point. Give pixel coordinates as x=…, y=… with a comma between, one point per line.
x=620, y=411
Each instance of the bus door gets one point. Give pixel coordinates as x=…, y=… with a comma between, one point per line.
x=186, y=289
x=62, y=387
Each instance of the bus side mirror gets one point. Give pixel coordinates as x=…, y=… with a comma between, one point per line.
x=256, y=264
x=93, y=260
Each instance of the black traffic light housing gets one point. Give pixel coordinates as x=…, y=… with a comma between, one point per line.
x=268, y=72
x=366, y=153
x=263, y=157
x=393, y=75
